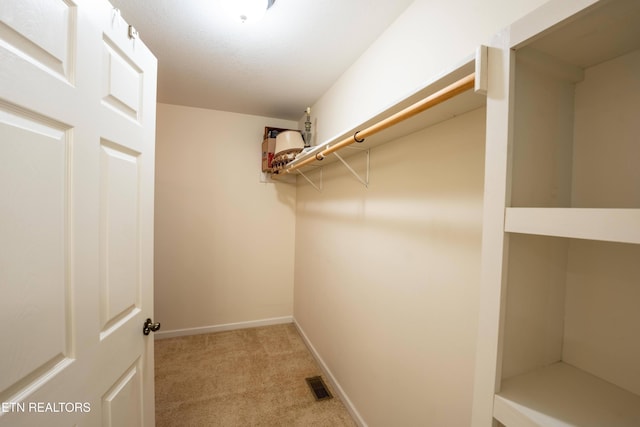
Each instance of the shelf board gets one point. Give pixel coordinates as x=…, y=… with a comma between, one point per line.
x=460, y=104
x=561, y=395
x=612, y=225
x=603, y=30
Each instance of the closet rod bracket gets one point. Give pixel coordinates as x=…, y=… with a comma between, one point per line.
x=364, y=181
x=313, y=184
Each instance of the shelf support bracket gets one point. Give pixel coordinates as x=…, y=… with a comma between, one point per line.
x=364, y=181
x=318, y=188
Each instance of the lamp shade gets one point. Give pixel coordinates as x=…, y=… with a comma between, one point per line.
x=289, y=141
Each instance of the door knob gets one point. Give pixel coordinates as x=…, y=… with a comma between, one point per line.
x=149, y=326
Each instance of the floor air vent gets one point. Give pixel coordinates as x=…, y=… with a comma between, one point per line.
x=318, y=388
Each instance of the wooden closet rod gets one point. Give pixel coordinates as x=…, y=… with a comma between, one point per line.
x=434, y=99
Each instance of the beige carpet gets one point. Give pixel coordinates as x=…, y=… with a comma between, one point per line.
x=248, y=377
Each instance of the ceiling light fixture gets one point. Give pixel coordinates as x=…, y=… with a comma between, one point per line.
x=248, y=10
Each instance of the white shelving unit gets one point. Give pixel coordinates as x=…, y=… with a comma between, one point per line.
x=559, y=338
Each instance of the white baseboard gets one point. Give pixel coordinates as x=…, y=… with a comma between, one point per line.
x=219, y=328
x=334, y=383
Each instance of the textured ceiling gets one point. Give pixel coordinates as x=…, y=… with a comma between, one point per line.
x=275, y=67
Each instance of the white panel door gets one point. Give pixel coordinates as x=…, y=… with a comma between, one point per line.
x=77, y=123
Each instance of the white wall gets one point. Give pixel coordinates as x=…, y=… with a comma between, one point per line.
x=386, y=283
x=427, y=39
x=224, y=242
x=386, y=278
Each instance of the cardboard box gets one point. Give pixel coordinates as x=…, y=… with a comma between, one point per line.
x=268, y=150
